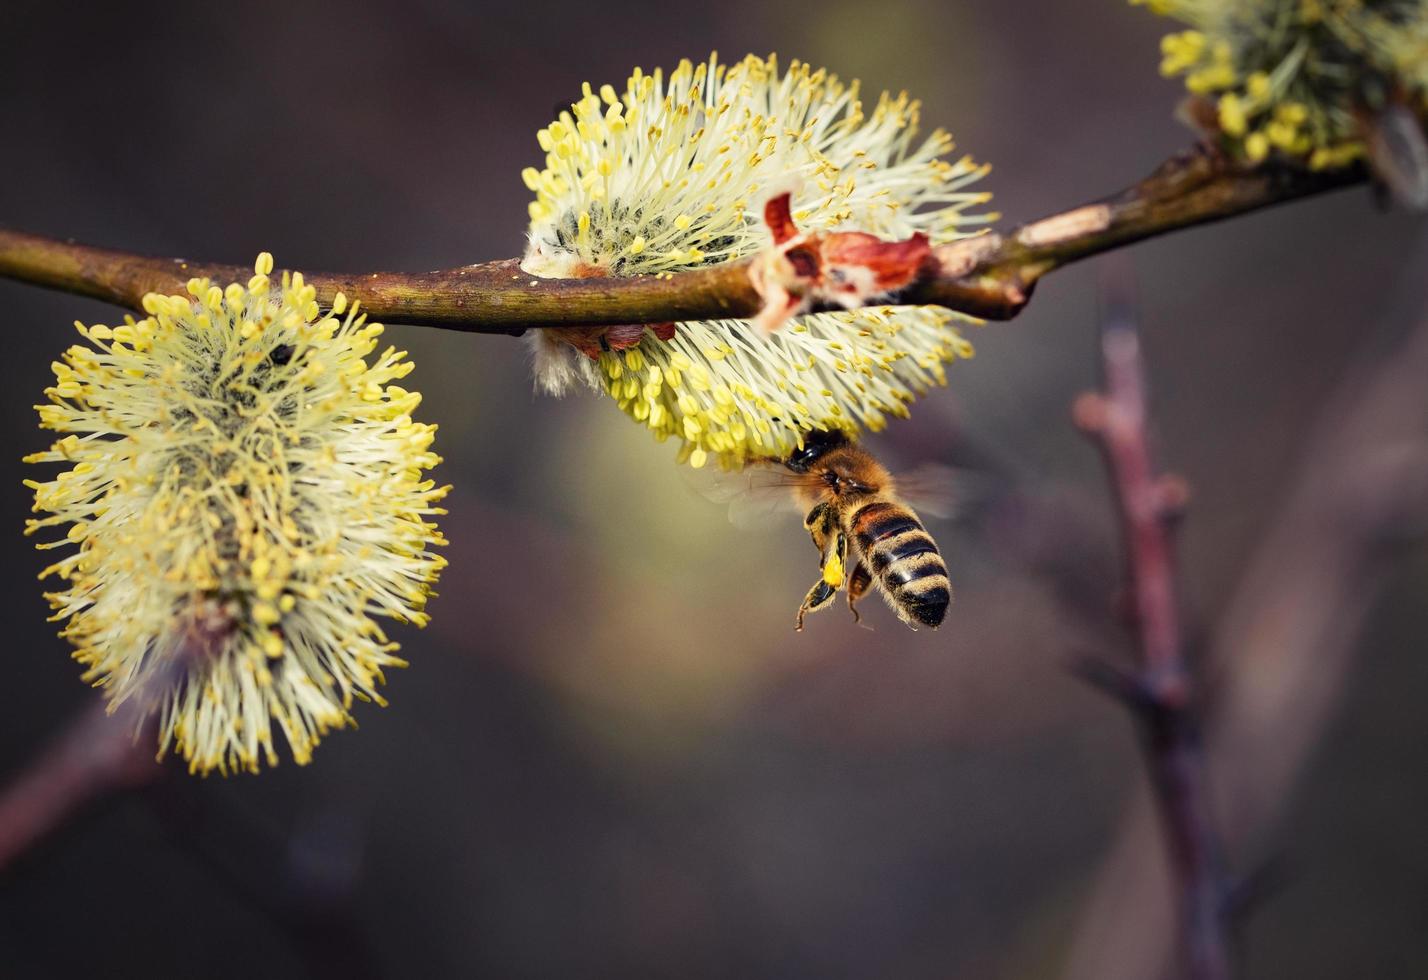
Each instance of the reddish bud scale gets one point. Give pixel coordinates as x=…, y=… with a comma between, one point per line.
x=847, y=268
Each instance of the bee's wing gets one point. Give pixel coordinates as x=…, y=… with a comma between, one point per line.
x=935, y=490
x=1398, y=152
x=757, y=496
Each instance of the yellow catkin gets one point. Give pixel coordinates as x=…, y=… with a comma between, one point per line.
x=246, y=490
x=681, y=182
x=1295, y=78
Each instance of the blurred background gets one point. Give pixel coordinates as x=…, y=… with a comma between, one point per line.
x=612, y=756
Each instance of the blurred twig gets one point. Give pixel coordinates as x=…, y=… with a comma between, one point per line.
x=1285, y=645
x=96, y=755
x=988, y=276
x=104, y=750
x=1161, y=692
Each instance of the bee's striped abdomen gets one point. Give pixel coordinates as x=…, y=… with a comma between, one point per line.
x=904, y=560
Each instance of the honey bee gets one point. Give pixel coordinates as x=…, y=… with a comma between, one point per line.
x=865, y=533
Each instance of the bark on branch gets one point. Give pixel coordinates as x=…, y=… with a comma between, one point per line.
x=1161, y=692
x=1285, y=646
x=990, y=276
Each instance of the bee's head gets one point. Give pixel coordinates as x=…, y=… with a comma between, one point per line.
x=816, y=445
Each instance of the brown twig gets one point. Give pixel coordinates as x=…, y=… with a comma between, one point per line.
x=1285, y=645
x=104, y=750
x=989, y=276
x=98, y=754
x=1161, y=692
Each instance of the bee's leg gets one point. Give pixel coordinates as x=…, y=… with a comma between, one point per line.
x=833, y=564
x=817, y=525
x=858, y=583
x=819, y=597
x=815, y=516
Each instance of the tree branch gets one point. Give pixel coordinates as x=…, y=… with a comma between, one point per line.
x=1161, y=692
x=104, y=750
x=1286, y=644
x=97, y=755
x=989, y=276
